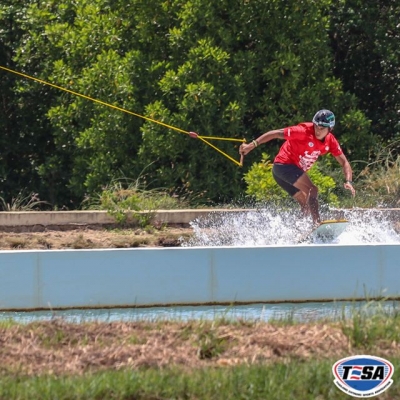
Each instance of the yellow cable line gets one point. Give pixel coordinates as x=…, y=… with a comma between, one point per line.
x=202, y=138
x=221, y=138
x=240, y=164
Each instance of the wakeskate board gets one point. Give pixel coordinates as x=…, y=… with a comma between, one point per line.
x=326, y=231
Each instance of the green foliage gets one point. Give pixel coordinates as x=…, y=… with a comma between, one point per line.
x=124, y=201
x=260, y=182
x=325, y=185
x=182, y=64
x=356, y=129
x=263, y=187
x=365, y=42
x=119, y=202
x=24, y=131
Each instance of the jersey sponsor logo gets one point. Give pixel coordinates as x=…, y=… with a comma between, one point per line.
x=363, y=376
x=308, y=159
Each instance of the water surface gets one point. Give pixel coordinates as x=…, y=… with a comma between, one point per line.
x=300, y=312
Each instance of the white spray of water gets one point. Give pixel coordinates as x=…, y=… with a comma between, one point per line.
x=369, y=226
x=270, y=226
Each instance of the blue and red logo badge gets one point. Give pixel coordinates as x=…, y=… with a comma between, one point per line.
x=363, y=376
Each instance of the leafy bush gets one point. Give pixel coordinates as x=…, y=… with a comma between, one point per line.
x=262, y=185
x=119, y=202
x=122, y=200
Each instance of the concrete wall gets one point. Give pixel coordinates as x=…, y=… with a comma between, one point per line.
x=142, y=277
x=96, y=217
x=88, y=217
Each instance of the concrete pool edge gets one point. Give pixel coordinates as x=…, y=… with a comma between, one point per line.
x=115, y=278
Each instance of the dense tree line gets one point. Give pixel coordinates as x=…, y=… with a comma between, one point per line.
x=221, y=68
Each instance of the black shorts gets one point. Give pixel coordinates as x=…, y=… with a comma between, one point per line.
x=286, y=175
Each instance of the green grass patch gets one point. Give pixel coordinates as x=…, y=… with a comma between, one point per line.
x=371, y=323
x=291, y=380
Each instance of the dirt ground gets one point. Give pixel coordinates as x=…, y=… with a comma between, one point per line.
x=58, y=347
x=94, y=238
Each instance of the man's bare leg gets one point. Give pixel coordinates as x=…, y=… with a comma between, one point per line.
x=302, y=199
x=310, y=192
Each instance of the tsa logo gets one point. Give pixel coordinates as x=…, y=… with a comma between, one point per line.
x=363, y=376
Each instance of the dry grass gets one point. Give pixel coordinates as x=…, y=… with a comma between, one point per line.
x=59, y=347
x=86, y=238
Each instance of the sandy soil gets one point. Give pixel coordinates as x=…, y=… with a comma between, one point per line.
x=95, y=238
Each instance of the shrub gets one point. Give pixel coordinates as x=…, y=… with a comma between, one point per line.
x=122, y=200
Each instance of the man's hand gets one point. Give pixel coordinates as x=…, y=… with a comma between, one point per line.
x=246, y=148
x=350, y=187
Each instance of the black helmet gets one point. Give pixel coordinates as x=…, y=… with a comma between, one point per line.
x=324, y=118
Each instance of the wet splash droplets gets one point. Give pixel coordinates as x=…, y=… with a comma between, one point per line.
x=370, y=226
x=270, y=226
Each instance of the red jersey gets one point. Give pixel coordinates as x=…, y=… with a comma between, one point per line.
x=302, y=148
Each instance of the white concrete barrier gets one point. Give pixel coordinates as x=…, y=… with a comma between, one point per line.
x=62, y=279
